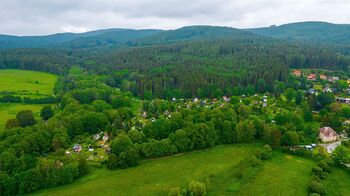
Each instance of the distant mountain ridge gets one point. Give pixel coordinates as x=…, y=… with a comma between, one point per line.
x=64, y=39
x=317, y=33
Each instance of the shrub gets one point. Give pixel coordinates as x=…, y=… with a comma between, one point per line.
x=112, y=162
x=316, y=187
x=175, y=192
x=197, y=188
x=12, y=123
x=266, y=153
x=325, y=166
x=46, y=112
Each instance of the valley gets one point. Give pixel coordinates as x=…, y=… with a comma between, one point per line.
x=197, y=110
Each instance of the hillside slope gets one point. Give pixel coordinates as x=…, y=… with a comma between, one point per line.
x=73, y=40
x=317, y=33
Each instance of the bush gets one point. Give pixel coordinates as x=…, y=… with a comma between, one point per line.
x=325, y=166
x=12, y=123
x=197, y=188
x=317, y=170
x=129, y=158
x=266, y=153
x=316, y=187
x=112, y=162
x=46, y=112
x=175, y=192
x=25, y=118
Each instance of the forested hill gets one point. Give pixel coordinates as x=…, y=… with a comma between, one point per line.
x=199, y=60
x=196, y=33
x=186, y=62
x=96, y=38
x=336, y=35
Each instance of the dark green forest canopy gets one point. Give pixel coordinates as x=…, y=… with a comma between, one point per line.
x=334, y=36
x=182, y=62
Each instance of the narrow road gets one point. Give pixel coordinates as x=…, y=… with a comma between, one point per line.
x=331, y=146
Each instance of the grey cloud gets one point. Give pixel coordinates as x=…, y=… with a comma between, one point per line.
x=25, y=17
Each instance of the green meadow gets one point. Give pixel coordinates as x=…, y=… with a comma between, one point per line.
x=338, y=182
x=283, y=175
x=9, y=110
x=26, y=83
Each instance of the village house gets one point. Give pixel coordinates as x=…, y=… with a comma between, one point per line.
x=327, y=134
x=297, y=73
x=96, y=136
x=323, y=77
x=77, y=148
x=311, y=77
x=105, y=137
x=226, y=99
x=327, y=90
x=334, y=78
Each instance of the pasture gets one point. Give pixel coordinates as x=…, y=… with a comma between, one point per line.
x=158, y=176
x=283, y=175
x=338, y=182
x=9, y=110
x=26, y=83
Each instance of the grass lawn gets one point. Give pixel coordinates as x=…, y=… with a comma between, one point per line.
x=338, y=183
x=9, y=110
x=156, y=177
x=282, y=175
x=27, y=83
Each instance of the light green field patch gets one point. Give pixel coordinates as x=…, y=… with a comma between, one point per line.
x=9, y=110
x=282, y=175
x=338, y=183
x=26, y=83
x=157, y=177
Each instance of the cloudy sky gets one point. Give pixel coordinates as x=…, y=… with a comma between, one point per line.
x=34, y=17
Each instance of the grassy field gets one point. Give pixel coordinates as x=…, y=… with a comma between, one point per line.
x=9, y=110
x=283, y=175
x=338, y=183
x=26, y=83
x=156, y=177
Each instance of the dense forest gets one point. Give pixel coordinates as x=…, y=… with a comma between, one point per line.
x=334, y=36
x=187, y=62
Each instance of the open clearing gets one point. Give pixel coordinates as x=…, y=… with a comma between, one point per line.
x=157, y=177
x=9, y=110
x=282, y=175
x=26, y=83
x=338, y=183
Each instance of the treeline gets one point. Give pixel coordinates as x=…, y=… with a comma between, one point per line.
x=46, y=60
x=28, y=100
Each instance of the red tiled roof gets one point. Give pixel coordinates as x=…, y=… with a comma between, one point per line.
x=328, y=132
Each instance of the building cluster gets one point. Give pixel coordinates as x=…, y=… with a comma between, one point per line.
x=313, y=77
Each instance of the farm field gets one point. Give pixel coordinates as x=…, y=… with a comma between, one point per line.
x=9, y=110
x=26, y=83
x=157, y=177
